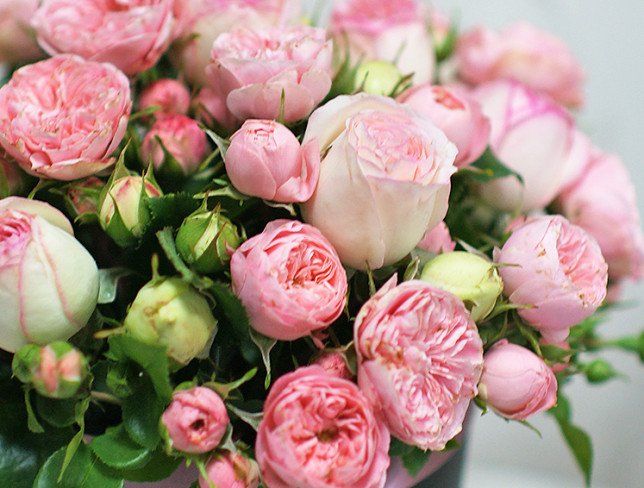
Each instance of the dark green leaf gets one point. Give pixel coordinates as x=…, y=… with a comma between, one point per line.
x=141, y=413
x=108, y=283
x=415, y=460
x=32, y=421
x=59, y=413
x=251, y=418
x=159, y=467
x=117, y=450
x=224, y=389
x=70, y=451
x=398, y=447
x=488, y=167
x=170, y=210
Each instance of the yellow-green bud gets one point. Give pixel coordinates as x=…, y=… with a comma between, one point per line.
x=473, y=279
x=377, y=77
x=599, y=371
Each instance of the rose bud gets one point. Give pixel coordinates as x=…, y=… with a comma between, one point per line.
x=525, y=54
x=599, y=371
x=289, y=279
x=271, y=73
x=182, y=139
x=49, y=281
x=56, y=370
x=457, y=115
x=516, y=383
x=437, y=240
x=265, y=160
x=81, y=197
x=377, y=78
x=531, y=135
x=123, y=212
x=195, y=421
x=381, y=29
x=471, y=278
x=335, y=364
x=206, y=239
x=169, y=95
x=230, y=470
x=602, y=201
x=419, y=361
x=211, y=110
x=320, y=431
x=12, y=180
x=556, y=270
x=87, y=103
x=443, y=32
x=169, y=312
x=17, y=42
x=384, y=178
x=130, y=35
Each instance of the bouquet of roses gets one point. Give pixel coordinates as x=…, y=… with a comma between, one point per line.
x=289, y=255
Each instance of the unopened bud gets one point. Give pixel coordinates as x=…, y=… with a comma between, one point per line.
x=599, y=371
x=377, y=77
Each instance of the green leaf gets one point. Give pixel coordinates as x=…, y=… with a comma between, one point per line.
x=488, y=167
x=265, y=345
x=59, y=413
x=224, y=389
x=159, y=467
x=529, y=334
x=221, y=143
x=108, y=283
x=141, y=413
x=415, y=460
x=32, y=421
x=166, y=240
x=170, y=210
x=398, y=447
x=251, y=418
x=117, y=450
x=71, y=449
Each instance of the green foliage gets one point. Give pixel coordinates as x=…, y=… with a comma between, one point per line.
x=488, y=167
x=117, y=450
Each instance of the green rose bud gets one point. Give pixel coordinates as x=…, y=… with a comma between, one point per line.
x=377, y=77
x=168, y=311
x=205, y=239
x=56, y=370
x=599, y=371
x=473, y=279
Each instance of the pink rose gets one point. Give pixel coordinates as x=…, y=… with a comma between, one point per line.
x=211, y=109
x=382, y=29
x=62, y=118
x=17, y=43
x=525, y=54
x=384, y=179
x=516, y=383
x=54, y=370
x=456, y=114
x=319, y=431
x=259, y=72
x=335, y=364
x=290, y=280
x=196, y=420
x=602, y=201
x=170, y=95
x=533, y=136
x=555, y=268
x=132, y=34
x=266, y=160
x=419, y=360
x=181, y=137
x=82, y=196
x=437, y=240
x=231, y=470
x=49, y=281
x=207, y=19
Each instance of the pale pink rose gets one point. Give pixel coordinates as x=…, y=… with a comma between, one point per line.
x=196, y=420
x=49, y=281
x=169, y=95
x=181, y=137
x=268, y=73
x=53, y=369
x=456, y=114
x=62, y=118
x=602, y=201
x=437, y=240
x=384, y=179
x=319, y=431
x=211, y=110
x=290, y=280
x=556, y=269
x=578, y=156
x=130, y=34
x=266, y=160
x=516, y=383
x=523, y=53
x=419, y=361
x=531, y=135
x=204, y=20
x=17, y=42
x=386, y=30
x=11, y=178
x=231, y=470
x=82, y=196
x=335, y=364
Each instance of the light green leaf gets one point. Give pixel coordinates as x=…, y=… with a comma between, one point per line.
x=265, y=345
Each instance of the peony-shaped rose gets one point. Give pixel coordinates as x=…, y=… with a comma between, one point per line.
x=557, y=270
x=231, y=470
x=319, y=431
x=386, y=30
x=195, y=421
x=17, y=43
x=266, y=160
x=384, y=179
x=131, y=34
x=335, y=364
x=169, y=95
x=437, y=240
x=265, y=74
x=183, y=140
x=533, y=136
x=516, y=383
x=62, y=118
x=602, y=201
x=48, y=280
x=419, y=361
x=523, y=53
x=456, y=114
x=290, y=280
